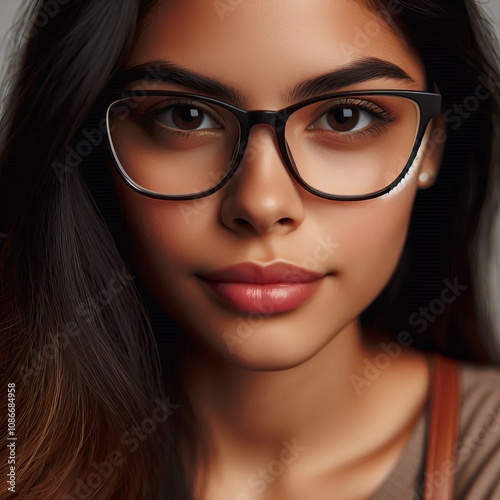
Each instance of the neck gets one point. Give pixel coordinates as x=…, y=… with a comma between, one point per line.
x=260, y=409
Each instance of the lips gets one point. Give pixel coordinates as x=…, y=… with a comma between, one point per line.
x=255, y=289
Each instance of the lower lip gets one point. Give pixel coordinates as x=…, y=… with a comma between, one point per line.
x=259, y=298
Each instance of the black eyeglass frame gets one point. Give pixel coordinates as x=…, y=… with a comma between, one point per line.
x=429, y=105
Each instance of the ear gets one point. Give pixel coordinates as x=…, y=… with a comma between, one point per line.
x=431, y=151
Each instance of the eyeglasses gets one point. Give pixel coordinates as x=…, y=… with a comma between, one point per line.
x=344, y=146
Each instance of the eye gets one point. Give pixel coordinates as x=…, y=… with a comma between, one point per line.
x=344, y=119
x=186, y=117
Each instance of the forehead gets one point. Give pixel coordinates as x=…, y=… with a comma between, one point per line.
x=263, y=47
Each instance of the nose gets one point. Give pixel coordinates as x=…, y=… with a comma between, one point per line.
x=262, y=197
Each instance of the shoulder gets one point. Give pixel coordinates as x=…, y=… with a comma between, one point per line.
x=478, y=444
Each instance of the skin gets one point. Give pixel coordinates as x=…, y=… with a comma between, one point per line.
x=290, y=379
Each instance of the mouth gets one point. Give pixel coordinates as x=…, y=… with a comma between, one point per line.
x=253, y=289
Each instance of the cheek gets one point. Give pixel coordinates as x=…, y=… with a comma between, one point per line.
x=165, y=239
x=166, y=236
x=164, y=231
x=373, y=239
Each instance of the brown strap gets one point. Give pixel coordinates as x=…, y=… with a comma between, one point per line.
x=443, y=428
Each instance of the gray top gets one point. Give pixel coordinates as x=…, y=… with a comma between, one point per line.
x=477, y=475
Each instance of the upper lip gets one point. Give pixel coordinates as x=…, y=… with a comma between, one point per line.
x=249, y=272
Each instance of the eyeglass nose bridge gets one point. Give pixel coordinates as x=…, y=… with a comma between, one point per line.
x=275, y=119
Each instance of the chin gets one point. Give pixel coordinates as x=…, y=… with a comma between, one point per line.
x=277, y=343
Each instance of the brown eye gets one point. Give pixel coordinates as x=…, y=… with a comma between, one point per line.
x=344, y=119
x=186, y=117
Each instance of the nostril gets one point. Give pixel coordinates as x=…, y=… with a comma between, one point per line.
x=241, y=222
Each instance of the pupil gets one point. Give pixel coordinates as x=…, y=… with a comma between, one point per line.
x=343, y=119
x=187, y=118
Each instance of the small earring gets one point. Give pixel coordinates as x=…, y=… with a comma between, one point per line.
x=424, y=177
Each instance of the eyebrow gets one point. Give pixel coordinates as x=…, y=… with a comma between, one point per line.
x=359, y=71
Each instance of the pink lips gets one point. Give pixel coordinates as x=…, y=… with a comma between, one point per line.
x=254, y=289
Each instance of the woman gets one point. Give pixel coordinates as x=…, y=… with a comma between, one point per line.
x=203, y=303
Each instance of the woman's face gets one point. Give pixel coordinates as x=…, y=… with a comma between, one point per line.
x=263, y=216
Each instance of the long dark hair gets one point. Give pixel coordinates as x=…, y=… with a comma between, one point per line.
x=450, y=238
x=91, y=354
